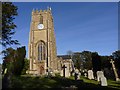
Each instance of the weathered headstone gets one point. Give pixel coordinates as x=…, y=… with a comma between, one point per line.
x=99, y=75
x=90, y=74
x=103, y=81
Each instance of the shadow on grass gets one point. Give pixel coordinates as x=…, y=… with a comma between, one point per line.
x=80, y=84
x=44, y=83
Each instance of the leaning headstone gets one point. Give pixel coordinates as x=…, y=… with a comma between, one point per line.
x=103, y=81
x=99, y=75
x=90, y=74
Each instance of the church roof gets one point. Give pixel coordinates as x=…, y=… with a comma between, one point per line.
x=64, y=56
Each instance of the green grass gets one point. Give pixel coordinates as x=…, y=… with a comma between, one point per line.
x=27, y=81
x=114, y=84
x=86, y=80
x=111, y=83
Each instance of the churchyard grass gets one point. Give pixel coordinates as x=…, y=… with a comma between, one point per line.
x=86, y=80
x=111, y=83
x=27, y=81
x=114, y=84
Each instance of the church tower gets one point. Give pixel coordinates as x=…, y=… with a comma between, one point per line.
x=42, y=43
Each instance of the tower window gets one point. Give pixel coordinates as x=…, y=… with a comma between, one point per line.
x=41, y=19
x=41, y=51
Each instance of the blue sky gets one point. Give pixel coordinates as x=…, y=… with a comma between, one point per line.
x=78, y=26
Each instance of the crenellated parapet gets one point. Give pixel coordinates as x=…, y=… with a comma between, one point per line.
x=38, y=12
x=45, y=14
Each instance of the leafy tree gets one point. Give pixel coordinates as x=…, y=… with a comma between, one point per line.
x=105, y=62
x=9, y=11
x=116, y=57
x=87, y=59
x=8, y=59
x=14, y=60
x=9, y=56
x=77, y=60
x=96, y=62
x=106, y=66
x=83, y=60
x=20, y=60
x=26, y=66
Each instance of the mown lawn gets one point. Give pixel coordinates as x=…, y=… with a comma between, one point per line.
x=59, y=82
x=111, y=83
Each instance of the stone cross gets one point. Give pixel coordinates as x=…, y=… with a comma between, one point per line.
x=114, y=69
x=64, y=70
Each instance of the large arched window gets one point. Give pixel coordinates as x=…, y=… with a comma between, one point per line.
x=41, y=51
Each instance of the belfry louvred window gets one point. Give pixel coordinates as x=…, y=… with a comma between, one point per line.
x=41, y=19
x=41, y=51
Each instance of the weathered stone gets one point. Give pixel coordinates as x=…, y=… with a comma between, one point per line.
x=42, y=44
x=90, y=74
x=103, y=81
x=99, y=75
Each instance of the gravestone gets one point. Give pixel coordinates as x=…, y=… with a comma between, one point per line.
x=99, y=75
x=90, y=74
x=79, y=74
x=103, y=81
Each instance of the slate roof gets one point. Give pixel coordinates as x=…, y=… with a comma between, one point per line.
x=64, y=56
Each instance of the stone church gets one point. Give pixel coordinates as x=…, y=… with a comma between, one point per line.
x=42, y=45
